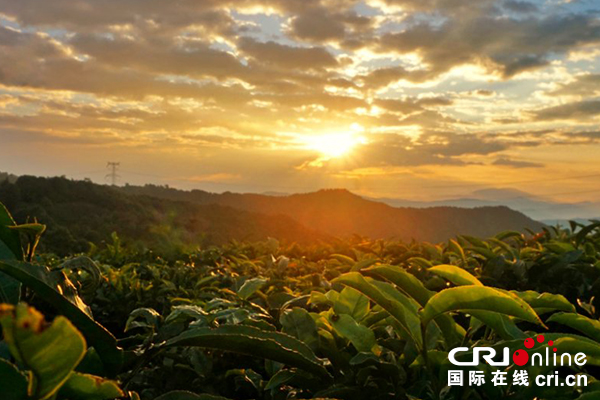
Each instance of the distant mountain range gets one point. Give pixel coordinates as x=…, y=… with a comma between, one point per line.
x=78, y=212
x=535, y=207
x=338, y=212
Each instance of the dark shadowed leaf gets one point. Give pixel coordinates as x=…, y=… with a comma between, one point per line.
x=255, y=342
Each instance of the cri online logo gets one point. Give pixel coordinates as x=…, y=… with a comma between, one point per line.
x=519, y=357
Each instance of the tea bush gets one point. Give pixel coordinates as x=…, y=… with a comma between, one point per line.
x=351, y=319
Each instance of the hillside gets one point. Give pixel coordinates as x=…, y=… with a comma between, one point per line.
x=78, y=212
x=338, y=212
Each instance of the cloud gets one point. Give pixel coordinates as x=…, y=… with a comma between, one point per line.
x=316, y=25
x=520, y=6
x=382, y=77
x=504, y=45
x=507, y=162
x=410, y=106
x=217, y=177
x=581, y=110
x=159, y=56
x=283, y=56
x=582, y=85
x=430, y=148
x=336, y=23
x=256, y=74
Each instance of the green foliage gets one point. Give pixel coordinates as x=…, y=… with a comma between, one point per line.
x=349, y=319
x=55, y=288
x=48, y=356
x=480, y=298
x=49, y=353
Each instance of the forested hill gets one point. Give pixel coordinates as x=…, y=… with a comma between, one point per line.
x=79, y=212
x=338, y=212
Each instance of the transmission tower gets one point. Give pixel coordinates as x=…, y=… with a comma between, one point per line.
x=113, y=172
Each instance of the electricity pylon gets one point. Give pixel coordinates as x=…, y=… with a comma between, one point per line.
x=113, y=172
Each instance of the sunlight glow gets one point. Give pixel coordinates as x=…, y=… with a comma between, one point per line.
x=334, y=144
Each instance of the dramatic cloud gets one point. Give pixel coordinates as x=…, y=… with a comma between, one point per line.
x=581, y=110
x=504, y=45
x=583, y=85
x=407, y=83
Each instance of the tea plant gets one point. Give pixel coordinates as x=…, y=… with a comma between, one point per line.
x=349, y=319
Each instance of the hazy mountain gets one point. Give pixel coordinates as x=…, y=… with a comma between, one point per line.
x=78, y=212
x=338, y=212
x=535, y=207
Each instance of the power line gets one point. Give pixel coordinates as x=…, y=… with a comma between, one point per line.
x=113, y=172
x=143, y=174
x=97, y=171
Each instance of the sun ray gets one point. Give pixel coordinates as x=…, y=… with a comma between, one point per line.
x=334, y=145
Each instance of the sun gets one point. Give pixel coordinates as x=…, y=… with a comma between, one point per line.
x=334, y=145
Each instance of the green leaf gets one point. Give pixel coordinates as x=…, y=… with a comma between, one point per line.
x=420, y=262
x=342, y=259
x=50, y=353
x=454, y=246
x=280, y=378
x=453, y=333
x=508, y=234
x=565, y=343
x=474, y=241
x=47, y=287
x=14, y=383
x=9, y=237
x=184, y=395
x=499, y=323
x=407, y=317
x=545, y=302
x=411, y=307
x=484, y=251
x=10, y=289
x=89, y=387
x=250, y=287
x=455, y=274
x=184, y=313
x=574, y=344
x=319, y=298
x=595, y=395
x=142, y=318
x=352, y=302
x=581, y=235
x=10, y=249
x=583, y=324
x=252, y=341
x=363, y=264
x=472, y=297
x=404, y=280
x=559, y=247
x=361, y=337
x=85, y=271
x=299, y=324
x=33, y=232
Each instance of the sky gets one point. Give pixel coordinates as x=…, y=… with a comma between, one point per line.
x=412, y=99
